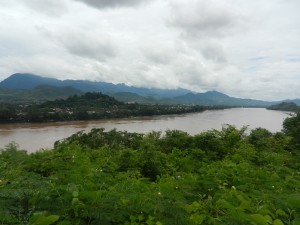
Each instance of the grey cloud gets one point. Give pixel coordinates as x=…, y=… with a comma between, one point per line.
x=204, y=18
x=111, y=3
x=159, y=54
x=48, y=7
x=258, y=58
x=99, y=49
x=158, y=57
x=214, y=53
x=5, y=3
x=92, y=45
x=294, y=58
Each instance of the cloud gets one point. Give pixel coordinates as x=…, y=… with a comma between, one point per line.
x=94, y=45
x=214, y=53
x=98, y=48
x=204, y=17
x=243, y=48
x=159, y=53
x=210, y=49
x=100, y=4
x=49, y=7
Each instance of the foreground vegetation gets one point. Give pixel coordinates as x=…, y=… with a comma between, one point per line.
x=89, y=106
x=216, y=177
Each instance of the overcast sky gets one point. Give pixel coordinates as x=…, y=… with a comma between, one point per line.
x=248, y=49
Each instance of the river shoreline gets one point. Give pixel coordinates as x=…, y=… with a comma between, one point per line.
x=34, y=136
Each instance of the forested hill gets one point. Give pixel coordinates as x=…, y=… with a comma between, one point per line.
x=227, y=177
x=40, y=93
x=92, y=100
x=87, y=107
x=285, y=106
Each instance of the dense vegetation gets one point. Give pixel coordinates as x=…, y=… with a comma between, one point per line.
x=285, y=106
x=87, y=107
x=216, y=177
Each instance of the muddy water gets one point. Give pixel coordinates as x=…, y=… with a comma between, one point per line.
x=43, y=135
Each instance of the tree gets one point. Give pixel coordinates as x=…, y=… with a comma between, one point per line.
x=7, y=112
x=260, y=138
x=291, y=126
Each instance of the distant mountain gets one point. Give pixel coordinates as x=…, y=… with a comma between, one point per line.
x=38, y=94
x=296, y=101
x=122, y=92
x=217, y=98
x=30, y=81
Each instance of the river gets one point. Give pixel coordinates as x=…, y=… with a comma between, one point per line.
x=34, y=136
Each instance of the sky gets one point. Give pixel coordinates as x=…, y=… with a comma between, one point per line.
x=247, y=49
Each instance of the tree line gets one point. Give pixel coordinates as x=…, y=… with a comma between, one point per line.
x=285, y=106
x=89, y=106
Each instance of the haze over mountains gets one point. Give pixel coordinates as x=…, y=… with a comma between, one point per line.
x=21, y=86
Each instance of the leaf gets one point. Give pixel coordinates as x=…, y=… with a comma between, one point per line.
x=197, y=219
x=42, y=219
x=278, y=222
x=280, y=212
x=194, y=207
x=150, y=220
x=132, y=218
x=269, y=219
x=141, y=217
x=75, y=200
x=75, y=194
x=259, y=219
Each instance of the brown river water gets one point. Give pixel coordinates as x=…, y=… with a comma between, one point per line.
x=34, y=136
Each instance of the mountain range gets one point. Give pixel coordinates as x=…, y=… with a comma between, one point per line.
x=29, y=81
x=21, y=86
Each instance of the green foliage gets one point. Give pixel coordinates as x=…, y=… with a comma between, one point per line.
x=43, y=219
x=7, y=112
x=175, y=139
x=260, y=138
x=216, y=177
x=40, y=93
x=291, y=126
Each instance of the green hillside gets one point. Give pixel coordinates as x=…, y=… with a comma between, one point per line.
x=40, y=93
x=217, y=98
x=132, y=97
x=285, y=106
